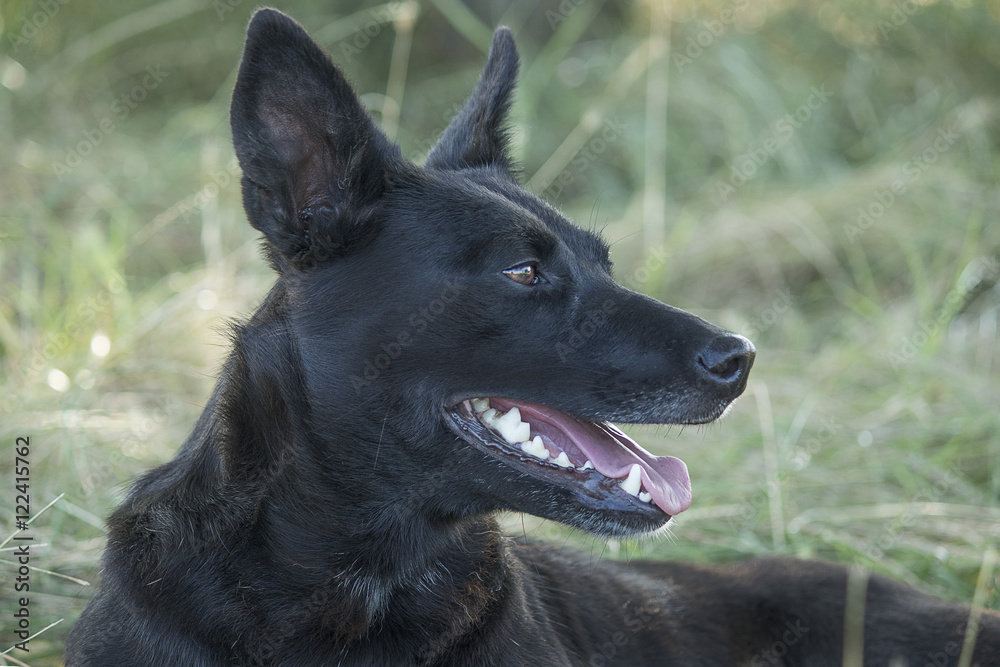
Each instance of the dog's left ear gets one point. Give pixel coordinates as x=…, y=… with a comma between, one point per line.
x=477, y=136
x=314, y=164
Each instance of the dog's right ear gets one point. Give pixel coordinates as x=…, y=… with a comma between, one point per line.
x=477, y=136
x=314, y=164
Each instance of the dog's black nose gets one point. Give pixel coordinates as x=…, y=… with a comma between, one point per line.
x=727, y=360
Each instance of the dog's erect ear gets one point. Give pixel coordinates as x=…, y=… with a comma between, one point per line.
x=314, y=164
x=477, y=136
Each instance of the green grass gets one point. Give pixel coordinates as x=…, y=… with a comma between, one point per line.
x=870, y=432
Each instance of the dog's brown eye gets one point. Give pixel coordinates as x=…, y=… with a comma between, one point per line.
x=526, y=274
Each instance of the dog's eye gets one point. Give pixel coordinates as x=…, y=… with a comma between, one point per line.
x=526, y=274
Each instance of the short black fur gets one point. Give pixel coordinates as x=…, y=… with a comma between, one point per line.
x=335, y=503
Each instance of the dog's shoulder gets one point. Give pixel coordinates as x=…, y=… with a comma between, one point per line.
x=113, y=631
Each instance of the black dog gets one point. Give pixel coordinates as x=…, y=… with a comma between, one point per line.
x=441, y=345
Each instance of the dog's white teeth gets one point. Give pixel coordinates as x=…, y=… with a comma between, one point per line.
x=587, y=466
x=512, y=428
x=536, y=448
x=645, y=497
x=633, y=483
x=561, y=460
x=517, y=432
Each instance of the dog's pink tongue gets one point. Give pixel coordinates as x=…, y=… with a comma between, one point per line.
x=613, y=453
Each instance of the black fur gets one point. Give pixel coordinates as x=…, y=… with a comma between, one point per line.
x=334, y=506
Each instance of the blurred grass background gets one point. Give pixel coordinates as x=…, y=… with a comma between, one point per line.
x=821, y=176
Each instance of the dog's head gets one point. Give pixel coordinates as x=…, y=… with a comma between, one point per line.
x=463, y=345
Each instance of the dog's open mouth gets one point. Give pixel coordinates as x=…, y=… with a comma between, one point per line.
x=552, y=444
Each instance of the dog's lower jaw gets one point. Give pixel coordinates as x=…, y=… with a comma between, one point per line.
x=502, y=489
x=609, y=525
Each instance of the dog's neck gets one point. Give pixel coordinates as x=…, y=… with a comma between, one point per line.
x=356, y=557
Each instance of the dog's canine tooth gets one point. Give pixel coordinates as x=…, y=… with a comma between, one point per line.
x=536, y=448
x=645, y=497
x=480, y=405
x=561, y=460
x=512, y=428
x=633, y=483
